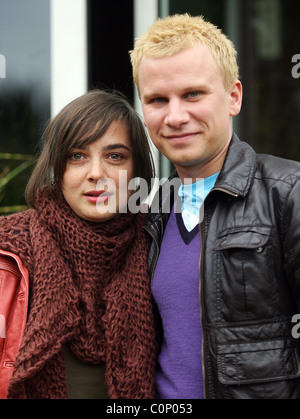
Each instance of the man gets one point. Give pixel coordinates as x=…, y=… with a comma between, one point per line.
x=226, y=296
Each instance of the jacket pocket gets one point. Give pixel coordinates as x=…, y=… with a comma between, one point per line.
x=258, y=362
x=251, y=237
x=245, y=273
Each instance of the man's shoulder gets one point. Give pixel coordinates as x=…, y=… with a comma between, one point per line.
x=278, y=169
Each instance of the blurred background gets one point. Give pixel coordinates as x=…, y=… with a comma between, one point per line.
x=56, y=50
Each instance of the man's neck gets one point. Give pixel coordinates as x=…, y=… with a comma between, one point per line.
x=205, y=170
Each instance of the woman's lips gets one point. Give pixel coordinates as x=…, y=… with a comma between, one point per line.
x=97, y=196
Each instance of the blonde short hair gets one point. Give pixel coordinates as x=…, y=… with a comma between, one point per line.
x=173, y=34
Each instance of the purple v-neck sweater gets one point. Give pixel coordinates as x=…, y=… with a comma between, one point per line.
x=176, y=292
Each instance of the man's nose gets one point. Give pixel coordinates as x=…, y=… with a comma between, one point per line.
x=177, y=114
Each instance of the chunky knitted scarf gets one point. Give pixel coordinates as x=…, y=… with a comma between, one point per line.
x=88, y=288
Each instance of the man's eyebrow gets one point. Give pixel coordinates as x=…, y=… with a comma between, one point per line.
x=192, y=88
x=150, y=96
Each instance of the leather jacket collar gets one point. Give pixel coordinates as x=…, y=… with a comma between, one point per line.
x=238, y=170
x=235, y=179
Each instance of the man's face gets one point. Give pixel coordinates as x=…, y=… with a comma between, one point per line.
x=187, y=110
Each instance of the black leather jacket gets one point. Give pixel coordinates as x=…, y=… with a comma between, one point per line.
x=249, y=276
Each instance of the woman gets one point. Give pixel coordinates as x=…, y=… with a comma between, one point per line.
x=89, y=331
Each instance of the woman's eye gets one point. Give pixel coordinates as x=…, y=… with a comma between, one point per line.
x=115, y=157
x=76, y=157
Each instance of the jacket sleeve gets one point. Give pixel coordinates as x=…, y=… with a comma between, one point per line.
x=14, y=291
x=291, y=245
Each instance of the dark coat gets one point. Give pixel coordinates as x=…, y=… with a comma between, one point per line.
x=249, y=276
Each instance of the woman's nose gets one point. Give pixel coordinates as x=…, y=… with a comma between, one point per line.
x=96, y=171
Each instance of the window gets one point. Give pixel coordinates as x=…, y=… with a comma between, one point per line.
x=266, y=34
x=110, y=38
x=272, y=95
x=24, y=93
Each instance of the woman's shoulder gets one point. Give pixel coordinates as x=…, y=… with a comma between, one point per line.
x=16, y=221
x=15, y=232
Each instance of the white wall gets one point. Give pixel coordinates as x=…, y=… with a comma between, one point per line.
x=2, y=67
x=69, y=57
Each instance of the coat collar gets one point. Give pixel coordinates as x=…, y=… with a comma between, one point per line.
x=235, y=178
x=238, y=170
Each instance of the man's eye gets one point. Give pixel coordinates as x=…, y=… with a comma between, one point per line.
x=195, y=95
x=159, y=100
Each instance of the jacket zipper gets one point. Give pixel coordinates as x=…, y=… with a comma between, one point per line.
x=200, y=290
x=149, y=231
x=225, y=191
x=202, y=238
x=201, y=307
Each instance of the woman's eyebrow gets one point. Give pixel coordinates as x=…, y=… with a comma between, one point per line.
x=116, y=146
x=106, y=148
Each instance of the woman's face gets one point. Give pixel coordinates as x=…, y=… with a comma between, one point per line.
x=95, y=182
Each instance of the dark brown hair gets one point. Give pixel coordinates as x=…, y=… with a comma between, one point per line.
x=80, y=123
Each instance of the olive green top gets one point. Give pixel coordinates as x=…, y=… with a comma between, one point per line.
x=84, y=381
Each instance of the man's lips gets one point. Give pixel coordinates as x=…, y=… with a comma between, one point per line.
x=181, y=137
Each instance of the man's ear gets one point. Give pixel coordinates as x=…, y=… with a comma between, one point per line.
x=236, y=98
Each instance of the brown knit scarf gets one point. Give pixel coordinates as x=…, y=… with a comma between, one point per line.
x=88, y=288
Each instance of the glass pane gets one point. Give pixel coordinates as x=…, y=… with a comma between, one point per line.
x=275, y=92
x=24, y=93
x=213, y=11
x=266, y=34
